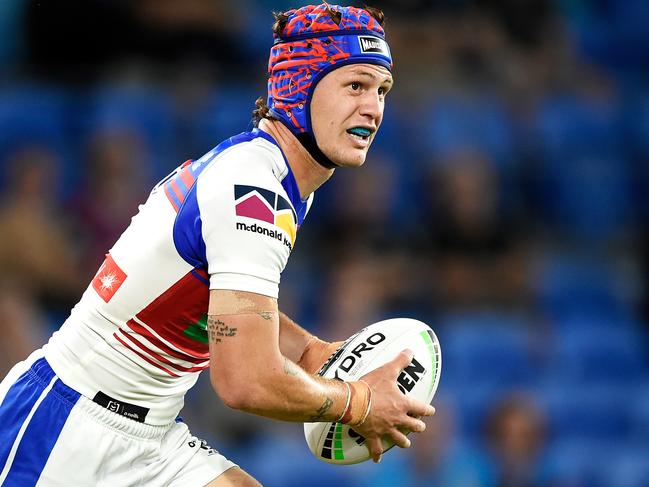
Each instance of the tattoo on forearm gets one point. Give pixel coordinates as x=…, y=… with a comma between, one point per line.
x=218, y=330
x=267, y=315
x=320, y=413
x=290, y=368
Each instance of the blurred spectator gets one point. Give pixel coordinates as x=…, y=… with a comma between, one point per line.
x=526, y=22
x=554, y=91
x=36, y=251
x=361, y=204
x=108, y=197
x=516, y=441
x=478, y=252
x=365, y=285
x=21, y=324
x=202, y=31
x=80, y=40
x=437, y=457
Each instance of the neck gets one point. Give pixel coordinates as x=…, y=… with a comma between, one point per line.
x=309, y=175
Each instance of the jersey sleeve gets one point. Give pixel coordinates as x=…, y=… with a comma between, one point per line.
x=246, y=247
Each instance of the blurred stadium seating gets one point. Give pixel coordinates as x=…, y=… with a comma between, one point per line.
x=572, y=151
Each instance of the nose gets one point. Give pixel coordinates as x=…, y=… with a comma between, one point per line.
x=372, y=107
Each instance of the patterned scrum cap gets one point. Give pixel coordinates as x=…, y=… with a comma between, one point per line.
x=311, y=45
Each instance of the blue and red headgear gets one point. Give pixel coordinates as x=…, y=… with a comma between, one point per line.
x=311, y=45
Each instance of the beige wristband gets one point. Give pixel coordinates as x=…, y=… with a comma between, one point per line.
x=359, y=404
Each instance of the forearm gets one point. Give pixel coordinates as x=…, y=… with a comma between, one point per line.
x=249, y=372
x=292, y=338
x=288, y=393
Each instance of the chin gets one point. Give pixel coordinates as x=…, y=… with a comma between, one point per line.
x=350, y=160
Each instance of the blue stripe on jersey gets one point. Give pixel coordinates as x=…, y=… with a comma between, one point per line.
x=200, y=278
x=172, y=194
x=188, y=227
x=289, y=184
x=45, y=426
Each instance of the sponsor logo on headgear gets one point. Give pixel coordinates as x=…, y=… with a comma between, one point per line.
x=373, y=44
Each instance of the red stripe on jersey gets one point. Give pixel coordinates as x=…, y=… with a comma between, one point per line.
x=159, y=357
x=143, y=331
x=144, y=357
x=171, y=198
x=178, y=192
x=187, y=178
x=179, y=307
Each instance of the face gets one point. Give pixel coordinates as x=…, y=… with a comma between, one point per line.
x=347, y=109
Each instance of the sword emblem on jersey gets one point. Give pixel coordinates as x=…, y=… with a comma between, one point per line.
x=109, y=279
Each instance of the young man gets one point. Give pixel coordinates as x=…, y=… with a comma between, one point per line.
x=193, y=282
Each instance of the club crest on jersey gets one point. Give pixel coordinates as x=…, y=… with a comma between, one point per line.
x=266, y=206
x=109, y=279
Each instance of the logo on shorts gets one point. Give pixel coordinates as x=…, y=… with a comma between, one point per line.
x=202, y=444
x=266, y=206
x=373, y=44
x=113, y=406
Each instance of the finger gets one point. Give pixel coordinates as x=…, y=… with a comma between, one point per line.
x=419, y=408
x=399, y=439
x=413, y=424
x=375, y=447
x=401, y=361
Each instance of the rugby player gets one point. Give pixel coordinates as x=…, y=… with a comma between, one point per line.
x=192, y=284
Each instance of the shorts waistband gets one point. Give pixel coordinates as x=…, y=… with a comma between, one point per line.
x=42, y=370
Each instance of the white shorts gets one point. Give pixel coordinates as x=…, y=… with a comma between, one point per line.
x=50, y=435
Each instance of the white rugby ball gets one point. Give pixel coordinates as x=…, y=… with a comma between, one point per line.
x=363, y=352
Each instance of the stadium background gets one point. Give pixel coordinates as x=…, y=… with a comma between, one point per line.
x=504, y=202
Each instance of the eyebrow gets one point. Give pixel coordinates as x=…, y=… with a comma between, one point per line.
x=388, y=79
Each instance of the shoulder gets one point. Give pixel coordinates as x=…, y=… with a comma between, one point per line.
x=250, y=164
x=248, y=156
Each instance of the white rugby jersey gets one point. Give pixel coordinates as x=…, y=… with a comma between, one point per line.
x=226, y=221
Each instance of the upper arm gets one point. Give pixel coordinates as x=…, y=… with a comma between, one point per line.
x=245, y=253
x=244, y=243
x=243, y=334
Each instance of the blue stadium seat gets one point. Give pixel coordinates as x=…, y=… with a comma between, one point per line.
x=570, y=125
x=575, y=285
x=471, y=402
x=599, y=355
x=612, y=33
x=455, y=124
x=284, y=460
x=226, y=112
x=487, y=350
x=637, y=122
x=628, y=466
x=639, y=411
x=584, y=173
x=146, y=112
x=579, y=412
x=35, y=115
x=582, y=462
